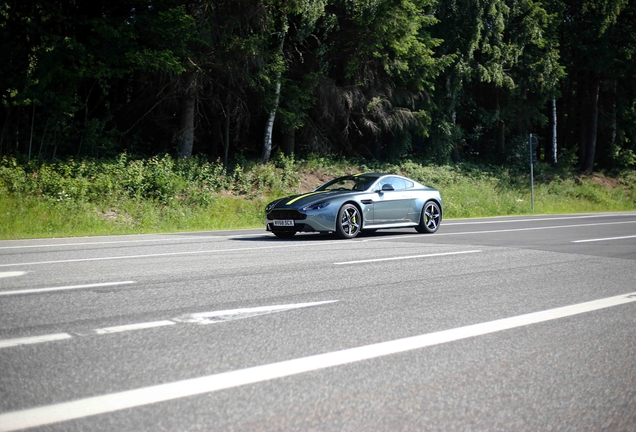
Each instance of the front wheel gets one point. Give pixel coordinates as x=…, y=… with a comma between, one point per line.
x=349, y=222
x=430, y=219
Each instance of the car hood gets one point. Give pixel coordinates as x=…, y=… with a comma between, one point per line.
x=302, y=200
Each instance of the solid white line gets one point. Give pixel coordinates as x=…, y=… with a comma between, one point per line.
x=107, y=242
x=32, y=340
x=536, y=219
x=63, y=288
x=604, y=239
x=407, y=257
x=536, y=228
x=438, y=234
x=153, y=255
x=129, y=327
x=205, y=237
x=164, y=392
x=288, y=245
x=11, y=274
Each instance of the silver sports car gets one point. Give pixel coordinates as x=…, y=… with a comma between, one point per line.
x=354, y=203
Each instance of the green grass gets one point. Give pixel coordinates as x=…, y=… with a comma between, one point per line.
x=29, y=217
x=132, y=196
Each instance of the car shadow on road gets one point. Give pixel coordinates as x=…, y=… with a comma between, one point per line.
x=300, y=237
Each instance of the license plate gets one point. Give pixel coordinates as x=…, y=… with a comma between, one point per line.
x=284, y=223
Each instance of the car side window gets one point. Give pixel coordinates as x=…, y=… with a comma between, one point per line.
x=396, y=182
x=409, y=184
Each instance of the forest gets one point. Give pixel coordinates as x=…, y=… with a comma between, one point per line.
x=439, y=80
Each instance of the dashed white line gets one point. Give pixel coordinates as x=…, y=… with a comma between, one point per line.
x=165, y=392
x=407, y=257
x=604, y=239
x=35, y=246
x=11, y=274
x=167, y=254
x=195, y=318
x=63, y=288
x=235, y=314
x=129, y=327
x=33, y=340
x=290, y=245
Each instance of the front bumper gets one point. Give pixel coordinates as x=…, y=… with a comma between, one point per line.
x=311, y=221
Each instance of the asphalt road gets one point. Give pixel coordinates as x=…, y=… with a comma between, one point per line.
x=516, y=323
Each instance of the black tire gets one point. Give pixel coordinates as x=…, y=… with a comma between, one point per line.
x=284, y=234
x=349, y=222
x=430, y=218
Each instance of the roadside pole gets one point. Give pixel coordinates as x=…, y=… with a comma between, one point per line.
x=532, y=145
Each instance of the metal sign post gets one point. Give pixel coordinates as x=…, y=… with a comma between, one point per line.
x=532, y=145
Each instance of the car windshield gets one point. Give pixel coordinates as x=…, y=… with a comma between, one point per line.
x=351, y=183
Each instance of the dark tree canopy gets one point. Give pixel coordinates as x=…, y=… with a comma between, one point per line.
x=444, y=80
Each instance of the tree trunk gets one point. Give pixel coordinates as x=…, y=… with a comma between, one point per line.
x=269, y=129
x=613, y=121
x=590, y=150
x=31, y=137
x=554, y=133
x=188, y=104
x=450, y=96
x=584, y=105
x=501, y=133
x=501, y=139
x=46, y=127
x=289, y=141
x=226, y=141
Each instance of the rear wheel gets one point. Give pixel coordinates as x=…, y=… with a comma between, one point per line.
x=430, y=219
x=284, y=234
x=349, y=221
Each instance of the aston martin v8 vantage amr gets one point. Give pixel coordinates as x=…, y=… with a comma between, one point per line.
x=351, y=204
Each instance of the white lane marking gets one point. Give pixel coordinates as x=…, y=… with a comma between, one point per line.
x=195, y=318
x=32, y=340
x=290, y=245
x=12, y=274
x=537, y=228
x=165, y=392
x=538, y=219
x=171, y=239
x=407, y=257
x=438, y=234
x=604, y=239
x=129, y=327
x=222, y=236
x=235, y=314
x=155, y=255
x=206, y=237
x=63, y=288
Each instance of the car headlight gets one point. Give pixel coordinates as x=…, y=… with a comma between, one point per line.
x=271, y=206
x=317, y=206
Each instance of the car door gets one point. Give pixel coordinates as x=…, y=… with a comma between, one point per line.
x=391, y=201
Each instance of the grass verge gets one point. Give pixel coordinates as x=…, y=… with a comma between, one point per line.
x=133, y=196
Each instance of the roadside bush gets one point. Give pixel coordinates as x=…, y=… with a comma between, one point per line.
x=131, y=195
x=14, y=177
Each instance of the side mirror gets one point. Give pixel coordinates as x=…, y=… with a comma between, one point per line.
x=387, y=187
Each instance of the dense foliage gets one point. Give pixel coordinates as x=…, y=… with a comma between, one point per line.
x=126, y=195
x=383, y=79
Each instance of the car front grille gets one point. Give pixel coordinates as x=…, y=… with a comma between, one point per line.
x=286, y=214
